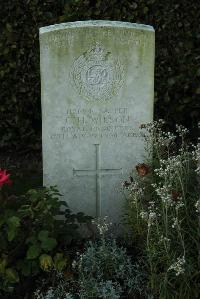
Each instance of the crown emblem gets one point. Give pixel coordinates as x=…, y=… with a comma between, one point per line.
x=96, y=74
x=97, y=53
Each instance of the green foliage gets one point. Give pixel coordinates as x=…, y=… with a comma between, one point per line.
x=106, y=271
x=103, y=270
x=177, y=71
x=35, y=231
x=19, y=69
x=163, y=212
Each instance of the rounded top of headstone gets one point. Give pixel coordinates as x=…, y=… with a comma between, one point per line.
x=96, y=23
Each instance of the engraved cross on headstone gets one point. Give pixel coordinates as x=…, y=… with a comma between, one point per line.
x=98, y=172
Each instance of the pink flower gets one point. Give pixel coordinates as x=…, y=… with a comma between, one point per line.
x=4, y=178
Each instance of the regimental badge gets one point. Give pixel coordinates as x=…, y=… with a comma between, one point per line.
x=96, y=75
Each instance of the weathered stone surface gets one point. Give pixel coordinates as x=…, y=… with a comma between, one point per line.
x=97, y=80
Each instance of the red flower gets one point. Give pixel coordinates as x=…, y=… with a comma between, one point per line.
x=4, y=178
x=142, y=169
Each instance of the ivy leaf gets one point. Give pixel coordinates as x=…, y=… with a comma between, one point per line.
x=12, y=275
x=13, y=223
x=33, y=252
x=48, y=244
x=3, y=264
x=60, y=261
x=43, y=234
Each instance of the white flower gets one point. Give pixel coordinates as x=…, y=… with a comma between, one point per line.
x=102, y=224
x=151, y=218
x=197, y=206
x=144, y=215
x=178, y=266
x=181, y=130
x=196, y=157
x=175, y=222
x=164, y=239
x=179, y=204
x=164, y=192
x=74, y=263
x=152, y=215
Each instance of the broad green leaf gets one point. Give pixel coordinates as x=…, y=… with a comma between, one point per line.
x=43, y=234
x=13, y=223
x=3, y=263
x=48, y=244
x=60, y=261
x=11, y=233
x=12, y=275
x=33, y=252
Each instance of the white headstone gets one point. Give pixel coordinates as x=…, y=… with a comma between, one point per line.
x=97, y=82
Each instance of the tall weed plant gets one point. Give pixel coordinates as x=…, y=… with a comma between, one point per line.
x=163, y=212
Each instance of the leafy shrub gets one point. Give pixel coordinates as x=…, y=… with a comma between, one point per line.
x=32, y=236
x=106, y=271
x=163, y=212
x=103, y=270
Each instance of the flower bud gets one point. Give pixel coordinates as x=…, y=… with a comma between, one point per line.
x=142, y=169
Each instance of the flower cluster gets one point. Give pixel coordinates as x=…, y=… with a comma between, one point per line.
x=154, y=132
x=164, y=193
x=151, y=218
x=178, y=266
x=144, y=215
x=170, y=167
x=181, y=130
x=197, y=206
x=102, y=224
x=196, y=157
x=162, y=200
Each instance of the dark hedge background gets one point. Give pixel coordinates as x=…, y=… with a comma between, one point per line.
x=177, y=72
